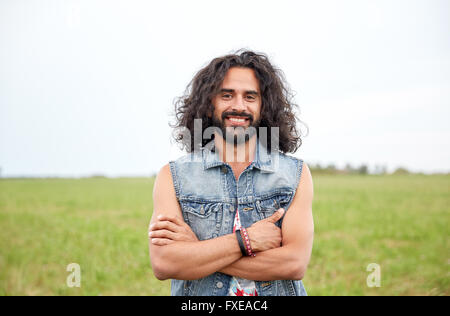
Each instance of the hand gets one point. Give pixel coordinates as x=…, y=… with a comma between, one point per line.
x=168, y=229
x=264, y=234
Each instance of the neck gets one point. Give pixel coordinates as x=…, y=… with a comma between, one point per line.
x=236, y=154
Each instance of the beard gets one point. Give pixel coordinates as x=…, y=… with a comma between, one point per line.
x=236, y=135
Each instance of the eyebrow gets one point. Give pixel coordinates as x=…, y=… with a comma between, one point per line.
x=247, y=92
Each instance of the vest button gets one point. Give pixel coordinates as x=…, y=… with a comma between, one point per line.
x=224, y=169
x=219, y=285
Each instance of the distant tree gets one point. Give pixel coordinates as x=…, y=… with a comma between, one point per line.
x=98, y=176
x=401, y=170
x=348, y=168
x=363, y=169
x=315, y=168
x=331, y=167
x=380, y=169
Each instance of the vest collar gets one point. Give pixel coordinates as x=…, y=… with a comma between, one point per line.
x=262, y=161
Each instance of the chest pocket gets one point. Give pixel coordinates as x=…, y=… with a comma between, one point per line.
x=266, y=206
x=204, y=218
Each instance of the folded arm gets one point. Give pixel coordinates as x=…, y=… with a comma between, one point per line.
x=183, y=257
x=288, y=262
x=176, y=253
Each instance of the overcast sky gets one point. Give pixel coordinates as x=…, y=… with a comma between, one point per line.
x=87, y=87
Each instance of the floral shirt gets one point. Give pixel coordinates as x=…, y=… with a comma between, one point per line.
x=239, y=286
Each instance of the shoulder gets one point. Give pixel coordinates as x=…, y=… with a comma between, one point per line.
x=291, y=168
x=163, y=181
x=164, y=171
x=186, y=163
x=189, y=158
x=302, y=174
x=165, y=199
x=300, y=210
x=292, y=161
x=305, y=187
x=305, y=176
x=287, y=162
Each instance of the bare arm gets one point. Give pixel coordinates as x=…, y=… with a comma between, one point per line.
x=186, y=260
x=291, y=259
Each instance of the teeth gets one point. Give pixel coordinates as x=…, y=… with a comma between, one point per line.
x=236, y=120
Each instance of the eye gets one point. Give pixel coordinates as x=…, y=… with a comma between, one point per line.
x=226, y=96
x=250, y=97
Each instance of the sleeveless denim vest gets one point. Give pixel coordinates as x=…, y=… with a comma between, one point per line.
x=209, y=196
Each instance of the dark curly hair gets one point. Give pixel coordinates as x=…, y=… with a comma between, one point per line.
x=277, y=107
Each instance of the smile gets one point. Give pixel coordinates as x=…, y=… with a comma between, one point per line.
x=233, y=119
x=236, y=121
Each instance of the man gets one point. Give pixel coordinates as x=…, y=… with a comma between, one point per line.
x=234, y=218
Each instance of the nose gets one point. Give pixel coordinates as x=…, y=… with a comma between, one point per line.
x=238, y=104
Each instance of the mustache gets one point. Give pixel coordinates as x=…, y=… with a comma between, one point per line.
x=237, y=114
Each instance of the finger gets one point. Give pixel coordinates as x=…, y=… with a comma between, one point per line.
x=173, y=219
x=276, y=216
x=163, y=233
x=165, y=225
x=161, y=241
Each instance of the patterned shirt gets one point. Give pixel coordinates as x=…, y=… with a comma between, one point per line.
x=239, y=286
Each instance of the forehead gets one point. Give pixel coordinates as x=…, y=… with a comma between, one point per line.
x=238, y=78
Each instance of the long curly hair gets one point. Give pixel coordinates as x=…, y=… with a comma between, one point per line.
x=277, y=107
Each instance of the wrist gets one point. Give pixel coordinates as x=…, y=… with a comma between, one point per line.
x=241, y=242
x=248, y=247
x=253, y=242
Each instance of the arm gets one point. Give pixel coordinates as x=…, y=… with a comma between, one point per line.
x=288, y=262
x=185, y=259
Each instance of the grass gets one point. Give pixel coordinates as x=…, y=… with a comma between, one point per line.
x=399, y=222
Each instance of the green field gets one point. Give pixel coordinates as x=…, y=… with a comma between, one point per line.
x=399, y=222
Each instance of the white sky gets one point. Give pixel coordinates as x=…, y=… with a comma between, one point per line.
x=88, y=86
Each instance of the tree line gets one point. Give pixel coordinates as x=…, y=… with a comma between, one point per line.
x=317, y=168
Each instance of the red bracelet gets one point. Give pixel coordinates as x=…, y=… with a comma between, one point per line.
x=248, y=247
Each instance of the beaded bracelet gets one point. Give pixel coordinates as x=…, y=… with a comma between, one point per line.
x=248, y=247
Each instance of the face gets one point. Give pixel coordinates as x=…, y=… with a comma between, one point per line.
x=238, y=105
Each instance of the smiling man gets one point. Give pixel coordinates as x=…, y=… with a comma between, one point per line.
x=234, y=218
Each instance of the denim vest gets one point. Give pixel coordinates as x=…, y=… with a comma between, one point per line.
x=209, y=195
